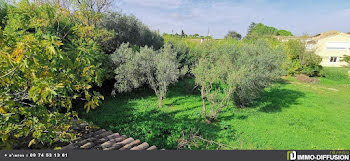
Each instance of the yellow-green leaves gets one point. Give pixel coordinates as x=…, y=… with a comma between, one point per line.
x=31, y=142
x=93, y=101
x=48, y=59
x=2, y=111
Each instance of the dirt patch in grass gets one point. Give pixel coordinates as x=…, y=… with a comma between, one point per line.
x=307, y=79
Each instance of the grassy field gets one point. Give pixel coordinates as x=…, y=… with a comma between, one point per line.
x=290, y=115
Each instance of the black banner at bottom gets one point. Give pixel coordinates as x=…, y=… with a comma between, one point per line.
x=168, y=155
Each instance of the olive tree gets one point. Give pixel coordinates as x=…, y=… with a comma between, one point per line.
x=227, y=72
x=128, y=69
x=258, y=65
x=158, y=69
x=161, y=71
x=214, y=73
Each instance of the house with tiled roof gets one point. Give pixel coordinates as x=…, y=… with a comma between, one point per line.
x=331, y=46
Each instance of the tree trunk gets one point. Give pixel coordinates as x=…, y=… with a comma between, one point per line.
x=160, y=101
x=203, y=100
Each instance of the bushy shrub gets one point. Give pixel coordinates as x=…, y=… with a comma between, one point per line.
x=214, y=73
x=241, y=73
x=128, y=69
x=188, y=50
x=128, y=29
x=3, y=13
x=49, y=58
x=301, y=61
x=346, y=58
x=158, y=69
x=258, y=66
x=182, y=49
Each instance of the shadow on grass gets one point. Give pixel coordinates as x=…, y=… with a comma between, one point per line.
x=184, y=87
x=136, y=114
x=275, y=99
x=283, y=81
x=151, y=124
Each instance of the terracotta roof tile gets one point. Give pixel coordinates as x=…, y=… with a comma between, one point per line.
x=104, y=140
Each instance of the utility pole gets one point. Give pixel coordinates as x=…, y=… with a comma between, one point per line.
x=208, y=34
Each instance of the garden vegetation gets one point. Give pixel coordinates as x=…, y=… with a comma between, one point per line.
x=50, y=57
x=58, y=58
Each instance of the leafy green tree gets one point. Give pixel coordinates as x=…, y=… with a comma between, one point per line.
x=227, y=71
x=128, y=70
x=251, y=28
x=91, y=6
x=284, y=33
x=261, y=30
x=258, y=66
x=128, y=29
x=158, y=69
x=165, y=71
x=183, y=33
x=233, y=35
x=3, y=13
x=49, y=58
x=214, y=75
x=181, y=48
x=346, y=58
x=301, y=61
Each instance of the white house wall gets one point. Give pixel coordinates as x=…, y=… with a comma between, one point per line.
x=333, y=46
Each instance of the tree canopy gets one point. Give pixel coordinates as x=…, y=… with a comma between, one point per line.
x=228, y=72
x=49, y=58
x=233, y=35
x=259, y=29
x=128, y=29
x=157, y=69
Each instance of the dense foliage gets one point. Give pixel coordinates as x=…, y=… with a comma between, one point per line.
x=233, y=35
x=288, y=110
x=284, y=33
x=215, y=73
x=158, y=69
x=258, y=30
x=346, y=58
x=300, y=60
x=49, y=58
x=227, y=71
x=3, y=13
x=188, y=50
x=128, y=29
x=54, y=58
x=258, y=66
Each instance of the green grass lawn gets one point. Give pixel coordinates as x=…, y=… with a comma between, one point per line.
x=290, y=115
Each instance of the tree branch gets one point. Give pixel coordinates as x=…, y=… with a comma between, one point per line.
x=8, y=73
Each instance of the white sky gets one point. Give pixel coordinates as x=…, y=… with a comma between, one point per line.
x=196, y=16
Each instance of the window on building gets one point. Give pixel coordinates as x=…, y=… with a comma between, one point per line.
x=333, y=59
x=337, y=46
